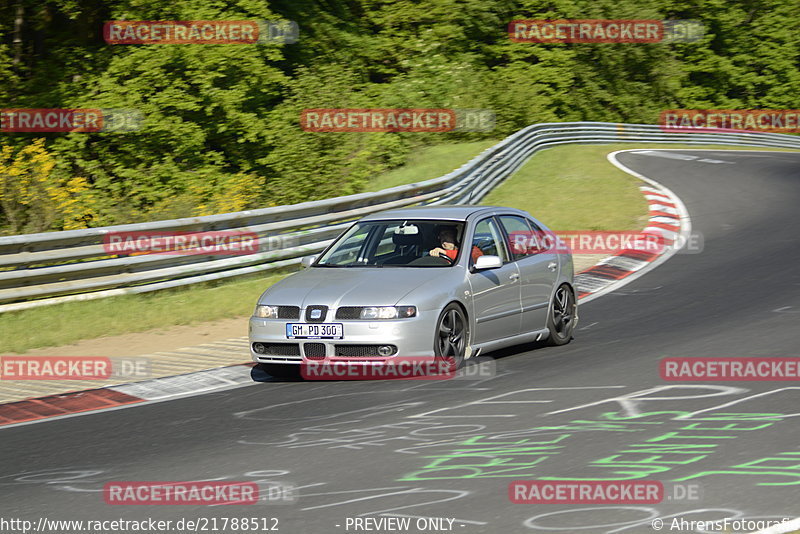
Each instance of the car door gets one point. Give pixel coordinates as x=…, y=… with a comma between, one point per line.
x=495, y=292
x=538, y=269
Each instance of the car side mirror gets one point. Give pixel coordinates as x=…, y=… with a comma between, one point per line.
x=308, y=260
x=487, y=262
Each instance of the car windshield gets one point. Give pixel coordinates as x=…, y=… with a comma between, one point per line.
x=396, y=243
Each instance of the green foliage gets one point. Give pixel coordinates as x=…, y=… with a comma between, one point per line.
x=221, y=128
x=33, y=198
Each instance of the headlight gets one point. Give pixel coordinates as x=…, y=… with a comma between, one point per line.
x=388, y=312
x=266, y=312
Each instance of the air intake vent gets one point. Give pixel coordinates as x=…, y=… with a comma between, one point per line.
x=365, y=351
x=277, y=349
x=314, y=351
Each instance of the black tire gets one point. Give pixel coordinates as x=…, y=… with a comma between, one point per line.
x=562, y=316
x=451, y=336
x=280, y=370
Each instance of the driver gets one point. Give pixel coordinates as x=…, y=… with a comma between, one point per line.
x=449, y=246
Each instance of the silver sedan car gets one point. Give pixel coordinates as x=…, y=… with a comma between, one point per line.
x=444, y=282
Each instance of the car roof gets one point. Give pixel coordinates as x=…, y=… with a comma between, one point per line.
x=451, y=212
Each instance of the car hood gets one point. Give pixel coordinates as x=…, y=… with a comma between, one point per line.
x=361, y=286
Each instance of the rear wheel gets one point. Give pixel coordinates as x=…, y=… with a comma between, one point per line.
x=561, y=319
x=452, y=334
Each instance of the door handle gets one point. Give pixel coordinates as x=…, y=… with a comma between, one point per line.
x=513, y=276
x=552, y=265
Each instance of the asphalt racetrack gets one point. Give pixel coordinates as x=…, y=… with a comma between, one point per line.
x=596, y=409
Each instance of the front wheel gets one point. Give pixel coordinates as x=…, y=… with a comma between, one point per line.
x=562, y=316
x=452, y=334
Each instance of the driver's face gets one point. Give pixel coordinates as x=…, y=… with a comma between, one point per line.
x=447, y=239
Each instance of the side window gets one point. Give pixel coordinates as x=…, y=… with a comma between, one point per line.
x=545, y=240
x=524, y=237
x=489, y=239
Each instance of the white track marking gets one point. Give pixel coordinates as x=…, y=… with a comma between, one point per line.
x=681, y=212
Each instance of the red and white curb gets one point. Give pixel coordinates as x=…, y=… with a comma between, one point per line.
x=115, y=397
x=668, y=219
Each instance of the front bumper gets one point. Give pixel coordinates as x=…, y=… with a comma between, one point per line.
x=413, y=337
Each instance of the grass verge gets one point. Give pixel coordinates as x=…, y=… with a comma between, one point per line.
x=430, y=162
x=570, y=187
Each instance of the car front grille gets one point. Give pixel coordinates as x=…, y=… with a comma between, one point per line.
x=288, y=312
x=362, y=351
x=348, y=312
x=277, y=349
x=314, y=351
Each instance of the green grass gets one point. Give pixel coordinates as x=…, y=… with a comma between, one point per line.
x=573, y=187
x=430, y=162
x=570, y=187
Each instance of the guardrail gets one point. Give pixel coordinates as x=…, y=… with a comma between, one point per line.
x=53, y=267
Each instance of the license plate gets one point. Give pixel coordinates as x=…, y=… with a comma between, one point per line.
x=314, y=331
